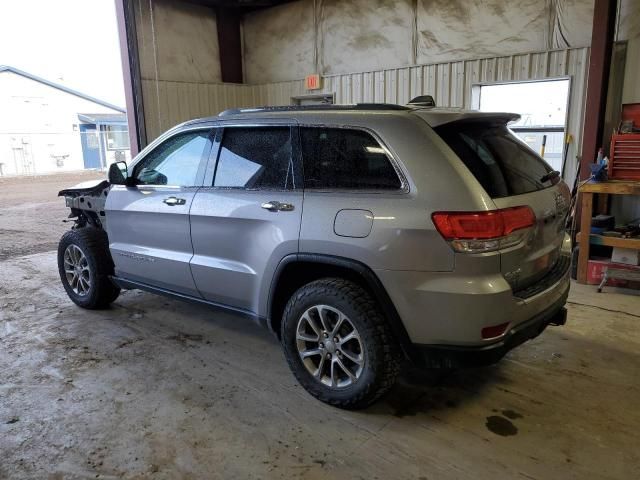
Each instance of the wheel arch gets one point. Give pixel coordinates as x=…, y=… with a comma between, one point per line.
x=296, y=270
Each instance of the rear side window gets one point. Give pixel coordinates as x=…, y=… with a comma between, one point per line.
x=340, y=158
x=502, y=164
x=255, y=158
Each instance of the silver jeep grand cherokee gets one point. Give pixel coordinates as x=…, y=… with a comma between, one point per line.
x=361, y=235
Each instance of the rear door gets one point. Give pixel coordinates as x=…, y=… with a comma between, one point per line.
x=247, y=216
x=356, y=201
x=514, y=175
x=148, y=224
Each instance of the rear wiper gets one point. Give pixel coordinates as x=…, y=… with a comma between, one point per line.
x=550, y=176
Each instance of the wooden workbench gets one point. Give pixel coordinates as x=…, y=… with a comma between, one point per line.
x=585, y=238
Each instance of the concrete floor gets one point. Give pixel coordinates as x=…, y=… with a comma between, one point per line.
x=161, y=389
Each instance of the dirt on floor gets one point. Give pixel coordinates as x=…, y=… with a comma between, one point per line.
x=156, y=388
x=32, y=214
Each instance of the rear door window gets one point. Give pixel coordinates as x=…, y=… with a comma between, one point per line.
x=502, y=164
x=343, y=158
x=256, y=158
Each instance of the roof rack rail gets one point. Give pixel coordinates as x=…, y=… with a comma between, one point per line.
x=322, y=107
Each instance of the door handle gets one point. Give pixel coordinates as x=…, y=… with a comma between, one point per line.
x=171, y=201
x=275, y=206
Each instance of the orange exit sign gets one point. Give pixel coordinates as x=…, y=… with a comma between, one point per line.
x=312, y=82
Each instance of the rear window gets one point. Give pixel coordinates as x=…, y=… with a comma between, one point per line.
x=342, y=158
x=502, y=164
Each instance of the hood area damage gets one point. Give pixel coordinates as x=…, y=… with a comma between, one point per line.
x=86, y=201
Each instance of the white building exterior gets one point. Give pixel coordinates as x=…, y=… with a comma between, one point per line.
x=42, y=125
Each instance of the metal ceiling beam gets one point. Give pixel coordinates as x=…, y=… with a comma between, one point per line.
x=229, y=44
x=243, y=5
x=604, y=19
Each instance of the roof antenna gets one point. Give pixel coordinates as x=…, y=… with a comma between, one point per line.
x=423, y=101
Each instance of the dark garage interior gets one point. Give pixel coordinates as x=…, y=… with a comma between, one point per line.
x=152, y=386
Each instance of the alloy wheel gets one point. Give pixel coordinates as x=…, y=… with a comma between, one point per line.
x=330, y=346
x=77, y=271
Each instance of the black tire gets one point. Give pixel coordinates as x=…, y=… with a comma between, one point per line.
x=94, y=245
x=379, y=348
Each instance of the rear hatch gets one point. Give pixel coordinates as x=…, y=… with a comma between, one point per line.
x=514, y=175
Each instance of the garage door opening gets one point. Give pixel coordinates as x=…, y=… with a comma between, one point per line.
x=542, y=106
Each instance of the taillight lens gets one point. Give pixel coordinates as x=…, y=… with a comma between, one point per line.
x=484, y=231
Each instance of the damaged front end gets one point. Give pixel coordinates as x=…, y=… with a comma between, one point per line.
x=86, y=201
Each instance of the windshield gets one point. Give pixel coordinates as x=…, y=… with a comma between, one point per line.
x=502, y=164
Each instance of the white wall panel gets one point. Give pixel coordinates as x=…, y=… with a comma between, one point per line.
x=177, y=41
x=335, y=37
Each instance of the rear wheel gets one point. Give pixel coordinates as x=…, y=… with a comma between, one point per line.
x=84, y=265
x=338, y=344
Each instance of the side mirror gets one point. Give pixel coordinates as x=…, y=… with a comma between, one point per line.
x=118, y=173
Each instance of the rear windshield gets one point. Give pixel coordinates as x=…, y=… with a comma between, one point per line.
x=502, y=164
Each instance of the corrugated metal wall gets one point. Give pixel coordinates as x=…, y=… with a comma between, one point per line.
x=451, y=83
x=169, y=103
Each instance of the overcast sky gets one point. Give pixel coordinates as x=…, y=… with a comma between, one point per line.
x=74, y=42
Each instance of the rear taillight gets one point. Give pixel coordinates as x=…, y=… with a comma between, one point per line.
x=484, y=231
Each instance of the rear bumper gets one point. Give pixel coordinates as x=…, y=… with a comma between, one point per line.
x=450, y=308
x=449, y=356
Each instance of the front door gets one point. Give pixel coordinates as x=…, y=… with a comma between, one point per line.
x=248, y=218
x=90, y=142
x=148, y=224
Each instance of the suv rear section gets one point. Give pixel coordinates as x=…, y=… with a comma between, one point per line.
x=463, y=229
x=510, y=273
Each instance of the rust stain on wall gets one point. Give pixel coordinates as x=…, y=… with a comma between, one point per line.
x=432, y=42
x=457, y=10
x=365, y=41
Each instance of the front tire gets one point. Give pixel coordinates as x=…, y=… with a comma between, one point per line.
x=84, y=265
x=338, y=343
